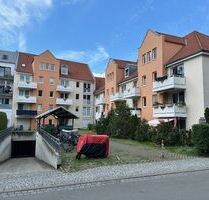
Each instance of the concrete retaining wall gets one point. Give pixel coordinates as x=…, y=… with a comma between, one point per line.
x=6, y=148
x=46, y=153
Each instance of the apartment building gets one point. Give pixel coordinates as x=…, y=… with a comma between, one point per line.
x=43, y=82
x=8, y=61
x=185, y=86
x=99, y=95
x=115, y=74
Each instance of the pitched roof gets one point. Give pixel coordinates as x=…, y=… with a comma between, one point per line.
x=78, y=71
x=195, y=42
x=24, y=63
x=123, y=63
x=132, y=76
x=173, y=38
x=100, y=84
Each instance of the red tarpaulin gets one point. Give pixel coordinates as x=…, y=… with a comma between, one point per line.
x=93, y=145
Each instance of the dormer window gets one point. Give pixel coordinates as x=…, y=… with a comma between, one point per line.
x=126, y=72
x=5, y=57
x=64, y=69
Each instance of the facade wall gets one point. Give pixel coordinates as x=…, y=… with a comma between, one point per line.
x=99, y=108
x=165, y=50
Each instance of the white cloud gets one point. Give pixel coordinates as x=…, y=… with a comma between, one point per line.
x=16, y=15
x=99, y=74
x=71, y=2
x=89, y=57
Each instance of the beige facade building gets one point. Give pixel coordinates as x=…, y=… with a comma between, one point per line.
x=43, y=82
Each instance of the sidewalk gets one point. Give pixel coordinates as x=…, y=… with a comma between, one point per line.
x=41, y=180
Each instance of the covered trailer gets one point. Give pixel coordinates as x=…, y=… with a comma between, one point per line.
x=93, y=146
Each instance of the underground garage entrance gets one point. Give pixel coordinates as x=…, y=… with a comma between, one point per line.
x=23, y=148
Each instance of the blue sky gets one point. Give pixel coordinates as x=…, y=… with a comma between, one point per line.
x=92, y=31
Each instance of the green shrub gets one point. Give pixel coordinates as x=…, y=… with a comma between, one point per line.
x=3, y=121
x=121, y=122
x=207, y=115
x=142, y=132
x=91, y=127
x=200, y=136
x=50, y=129
x=171, y=136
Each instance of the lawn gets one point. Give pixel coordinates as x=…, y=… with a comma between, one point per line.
x=124, y=152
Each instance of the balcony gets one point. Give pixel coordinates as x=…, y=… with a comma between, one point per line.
x=135, y=111
x=26, y=113
x=100, y=101
x=131, y=93
x=117, y=97
x=98, y=115
x=62, y=88
x=26, y=99
x=29, y=85
x=66, y=102
x=169, y=110
x=172, y=82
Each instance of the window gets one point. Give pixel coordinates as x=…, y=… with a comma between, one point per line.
x=86, y=111
x=5, y=57
x=154, y=99
x=77, y=84
x=178, y=70
x=22, y=77
x=39, y=107
x=112, y=91
x=64, y=96
x=46, y=66
x=135, y=84
x=107, y=92
x=24, y=93
x=50, y=106
x=154, y=76
x=64, y=69
x=52, y=81
x=4, y=101
x=123, y=88
x=144, y=101
x=50, y=121
x=126, y=72
x=149, y=54
x=65, y=82
x=40, y=93
x=86, y=87
x=77, y=108
x=144, y=58
x=87, y=99
x=5, y=71
x=144, y=80
x=51, y=94
x=154, y=53
x=77, y=96
x=40, y=79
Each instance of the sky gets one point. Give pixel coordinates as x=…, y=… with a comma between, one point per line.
x=92, y=31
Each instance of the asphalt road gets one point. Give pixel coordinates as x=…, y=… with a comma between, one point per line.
x=190, y=186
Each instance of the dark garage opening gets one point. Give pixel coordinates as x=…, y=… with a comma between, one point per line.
x=23, y=149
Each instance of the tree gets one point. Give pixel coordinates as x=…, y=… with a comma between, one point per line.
x=142, y=132
x=120, y=124
x=3, y=120
x=207, y=114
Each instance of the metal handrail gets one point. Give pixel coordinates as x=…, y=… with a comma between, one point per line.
x=53, y=141
x=6, y=132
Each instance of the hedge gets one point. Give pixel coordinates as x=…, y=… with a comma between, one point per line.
x=200, y=137
x=3, y=121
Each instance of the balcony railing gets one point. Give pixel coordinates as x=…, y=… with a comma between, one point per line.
x=169, y=110
x=30, y=85
x=62, y=88
x=131, y=93
x=100, y=101
x=26, y=99
x=117, y=97
x=135, y=111
x=61, y=101
x=172, y=82
x=5, y=106
x=26, y=113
